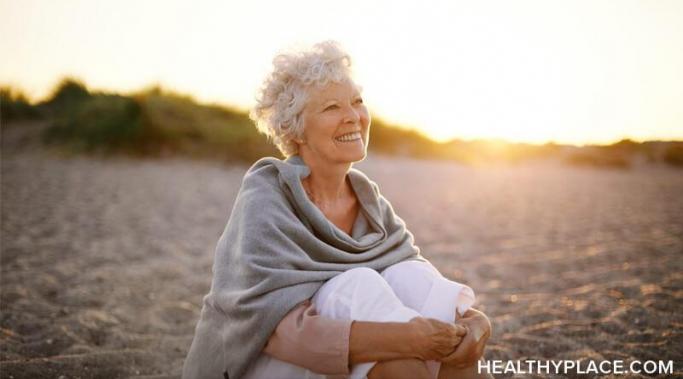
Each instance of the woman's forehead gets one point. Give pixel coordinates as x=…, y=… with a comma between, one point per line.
x=333, y=91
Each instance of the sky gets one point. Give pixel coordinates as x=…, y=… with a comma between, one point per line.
x=576, y=72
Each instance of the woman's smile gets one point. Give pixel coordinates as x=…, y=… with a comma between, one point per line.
x=336, y=126
x=350, y=137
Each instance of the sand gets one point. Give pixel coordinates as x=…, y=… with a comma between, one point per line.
x=105, y=261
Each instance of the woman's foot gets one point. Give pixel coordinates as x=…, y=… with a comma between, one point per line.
x=400, y=369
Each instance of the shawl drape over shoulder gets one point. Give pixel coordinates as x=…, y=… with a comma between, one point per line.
x=276, y=251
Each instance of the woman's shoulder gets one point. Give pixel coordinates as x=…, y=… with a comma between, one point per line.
x=263, y=172
x=261, y=182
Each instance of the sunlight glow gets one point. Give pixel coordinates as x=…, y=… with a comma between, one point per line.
x=526, y=71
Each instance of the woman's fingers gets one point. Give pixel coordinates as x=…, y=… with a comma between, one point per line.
x=453, y=356
x=436, y=339
x=460, y=344
x=459, y=330
x=468, y=351
x=464, y=352
x=454, y=334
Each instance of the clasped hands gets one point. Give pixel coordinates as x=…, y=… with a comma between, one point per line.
x=460, y=344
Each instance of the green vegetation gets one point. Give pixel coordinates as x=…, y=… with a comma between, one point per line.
x=180, y=124
x=15, y=106
x=157, y=122
x=152, y=122
x=87, y=122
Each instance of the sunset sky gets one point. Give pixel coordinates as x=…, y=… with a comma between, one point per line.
x=527, y=71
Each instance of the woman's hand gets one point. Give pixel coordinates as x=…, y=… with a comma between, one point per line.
x=433, y=339
x=472, y=347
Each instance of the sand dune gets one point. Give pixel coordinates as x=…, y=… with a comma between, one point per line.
x=105, y=262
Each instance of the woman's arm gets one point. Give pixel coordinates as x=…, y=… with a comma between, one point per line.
x=421, y=338
x=307, y=339
x=330, y=346
x=378, y=341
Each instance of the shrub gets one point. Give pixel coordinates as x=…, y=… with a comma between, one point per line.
x=673, y=155
x=198, y=130
x=99, y=122
x=15, y=106
x=68, y=94
x=599, y=158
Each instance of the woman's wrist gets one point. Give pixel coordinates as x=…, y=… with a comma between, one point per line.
x=379, y=341
x=406, y=336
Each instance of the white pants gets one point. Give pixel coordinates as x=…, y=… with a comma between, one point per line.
x=404, y=290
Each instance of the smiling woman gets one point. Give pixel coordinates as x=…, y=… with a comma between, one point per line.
x=338, y=123
x=310, y=87
x=315, y=274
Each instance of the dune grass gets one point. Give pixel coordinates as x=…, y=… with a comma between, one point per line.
x=152, y=122
x=15, y=106
x=107, y=122
x=155, y=122
x=180, y=124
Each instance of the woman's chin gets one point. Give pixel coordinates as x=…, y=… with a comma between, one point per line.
x=358, y=155
x=359, y=158
x=353, y=157
x=353, y=152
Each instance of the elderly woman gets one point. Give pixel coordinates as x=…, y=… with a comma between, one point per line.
x=315, y=276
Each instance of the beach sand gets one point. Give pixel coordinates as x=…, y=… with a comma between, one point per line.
x=105, y=261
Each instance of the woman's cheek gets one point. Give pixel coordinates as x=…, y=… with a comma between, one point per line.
x=365, y=118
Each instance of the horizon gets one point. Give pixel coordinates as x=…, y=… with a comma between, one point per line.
x=587, y=73
x=233, y=108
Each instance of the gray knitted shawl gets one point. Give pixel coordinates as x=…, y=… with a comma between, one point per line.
x=276, y=251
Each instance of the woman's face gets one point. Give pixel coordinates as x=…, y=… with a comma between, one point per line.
x=336, y=124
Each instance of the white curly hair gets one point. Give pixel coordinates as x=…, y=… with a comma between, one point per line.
x=284, y=93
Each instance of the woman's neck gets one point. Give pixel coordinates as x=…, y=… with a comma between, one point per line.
x=327, y=183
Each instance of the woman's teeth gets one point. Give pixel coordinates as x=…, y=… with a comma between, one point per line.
x=349, y=137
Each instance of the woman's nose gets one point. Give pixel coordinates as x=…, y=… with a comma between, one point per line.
x=351, y=116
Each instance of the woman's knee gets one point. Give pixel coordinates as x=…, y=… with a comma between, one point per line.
x=411, y=281
x=411, y=267
x=357, y=285
x=360, y=276
x=361, y=273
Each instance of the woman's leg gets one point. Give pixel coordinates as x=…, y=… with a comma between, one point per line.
x=420, y=286
x=357, y=294
x=267, y=367
x=362, y=294
x=400, y=369
x=471, y=372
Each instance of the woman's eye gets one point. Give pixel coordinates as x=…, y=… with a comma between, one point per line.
x=333, y=106
x=359, y=101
